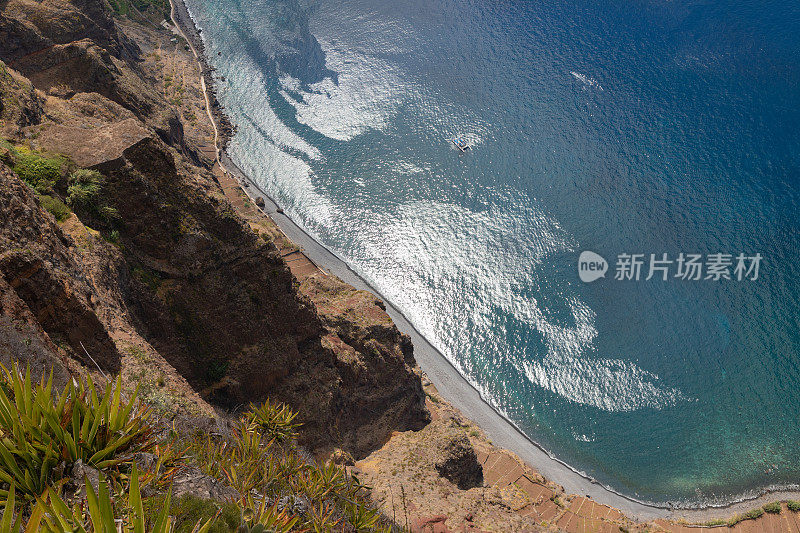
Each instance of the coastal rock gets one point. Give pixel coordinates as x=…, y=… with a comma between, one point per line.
x=459, y=463
x=84, y=66
x=30, y=26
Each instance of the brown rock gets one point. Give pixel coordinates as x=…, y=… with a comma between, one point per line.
x=80, y=474
x=459, y=463
x=38, y=266
x=260, y=202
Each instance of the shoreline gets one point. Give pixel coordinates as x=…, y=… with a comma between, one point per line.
x=445, y=377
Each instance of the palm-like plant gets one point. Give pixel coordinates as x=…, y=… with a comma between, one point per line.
x=40, y=430
x=273, y=420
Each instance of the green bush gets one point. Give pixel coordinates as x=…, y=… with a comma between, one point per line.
x=261, y=458
x=753, y=514
x=56, y=207
x=274, y=421
x=85, y=193
x=37, y=170
x=793, y=505
x=42, y=433
x=85, y=188
x=773, y=507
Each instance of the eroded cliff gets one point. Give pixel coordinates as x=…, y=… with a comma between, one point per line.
x=165, y=267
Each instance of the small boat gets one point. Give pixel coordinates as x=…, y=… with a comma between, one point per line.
x=461, y=144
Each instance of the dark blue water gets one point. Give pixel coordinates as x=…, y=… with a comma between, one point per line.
x=618, y=127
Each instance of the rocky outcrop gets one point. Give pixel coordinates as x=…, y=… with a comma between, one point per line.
x=459, y=463
x=38, y=267
x=29, y=26
x=72, y=46
x=20, y=106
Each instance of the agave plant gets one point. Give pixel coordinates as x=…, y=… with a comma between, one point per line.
x=273, y=420
x=40, y=430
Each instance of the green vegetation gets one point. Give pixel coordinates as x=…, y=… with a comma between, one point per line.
x=753, y=514
x=56, y=207
x=154, y=10
x=749, y=515
x=85, y=194
x=188, y=510
x=261, y=460
x=793, y=505
x=274, y=421
x=40, y=428
x=773, y=507
x=47, y=175
x=151, y=278
x=38, y=170
x=43, y=433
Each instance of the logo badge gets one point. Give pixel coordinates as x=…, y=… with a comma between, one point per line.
x=591, y=266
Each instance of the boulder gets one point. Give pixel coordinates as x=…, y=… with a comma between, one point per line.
x=459, y=463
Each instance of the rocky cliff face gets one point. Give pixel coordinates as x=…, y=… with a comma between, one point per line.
x=73, y=46
x=185, y=279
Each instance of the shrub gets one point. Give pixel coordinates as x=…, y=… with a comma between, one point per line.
x=85, y=193
x=112, y=237
x=188, y=510
x=294, y=492
x=56, y=207
x=39, y=429
x=793, y=505
x=85, y=188
x=773, y=507
x=38, y=171
x=275, y=421
x=753, y=514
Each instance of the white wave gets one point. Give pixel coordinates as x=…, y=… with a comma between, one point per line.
x=586, y=80
x=608, y=384
x=365, y=97
x=582, y=438
x=457, y=272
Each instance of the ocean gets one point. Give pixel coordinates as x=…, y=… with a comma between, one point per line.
x=645, y=127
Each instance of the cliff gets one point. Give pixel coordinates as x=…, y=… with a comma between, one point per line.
x=165, y=267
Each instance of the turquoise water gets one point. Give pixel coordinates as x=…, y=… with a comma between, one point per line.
x=646, y=127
